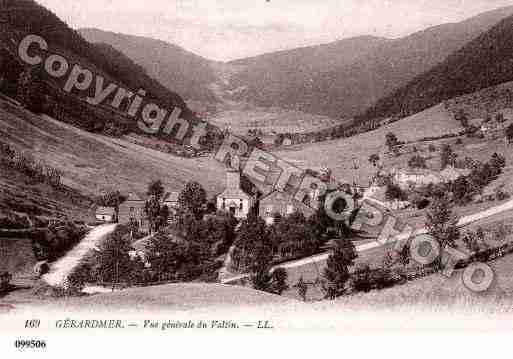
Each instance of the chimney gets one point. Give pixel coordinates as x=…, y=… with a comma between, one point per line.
x=233, y=179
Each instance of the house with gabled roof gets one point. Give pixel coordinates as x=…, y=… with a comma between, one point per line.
x=282, y=203
x=233, y=199
x=132, y=211
x=170, y=200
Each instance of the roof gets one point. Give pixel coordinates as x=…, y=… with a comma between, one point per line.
x=134, y=197
x=171, y=197
x=234, y=193
x=287, y=198
x=106, y=211
x=452, y=173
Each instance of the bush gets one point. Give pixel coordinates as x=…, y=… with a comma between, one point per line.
x=13, y=221
x=5, y=279
x=361, y=279
x=26, y=164
x=336, y=272
x=55, y=241
x=417, y=161
x=302, y=288
x=501, y=232
x=393, y=192
x=279, y=281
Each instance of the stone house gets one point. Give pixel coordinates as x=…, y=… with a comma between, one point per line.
x=233, y=199
x=133, y=211
x=281, y=203
x=425, y=177
x=171, y=201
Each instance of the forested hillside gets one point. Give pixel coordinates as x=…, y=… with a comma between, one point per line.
x=366, y=70
x=19, y=18
x=487, y=61
x=174, y=67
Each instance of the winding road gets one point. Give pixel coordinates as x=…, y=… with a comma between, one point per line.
x=463, y=221
x=62, y=268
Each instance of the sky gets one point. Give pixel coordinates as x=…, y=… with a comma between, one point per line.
x=230, y=29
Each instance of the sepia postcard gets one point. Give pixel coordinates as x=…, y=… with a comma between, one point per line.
x=177, y=171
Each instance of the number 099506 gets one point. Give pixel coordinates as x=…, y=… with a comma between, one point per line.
x=30, y=344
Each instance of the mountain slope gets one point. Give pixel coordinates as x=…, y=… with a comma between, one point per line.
x=484, y=62
x=21, y=17
x=347, y=88
x=176, y=68
x=95, y=164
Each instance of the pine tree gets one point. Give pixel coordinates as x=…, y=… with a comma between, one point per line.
x=302, y=288
x=31, y=90
x=279, y=281
x=165, y=257
x=442, y=223
x=193, y=198
x=336, y=272
x=113, y=260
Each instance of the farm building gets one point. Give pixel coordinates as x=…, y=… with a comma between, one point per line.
x=106, y=214
x=283, y=204
x=171, y=201
x=424, y=177
x=133, y=211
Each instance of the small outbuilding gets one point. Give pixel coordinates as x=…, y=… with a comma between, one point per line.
x=106, y=214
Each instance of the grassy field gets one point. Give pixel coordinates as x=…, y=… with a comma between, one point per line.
x=163, y=297
x=94, y=164
x=239, y=121
x=374, y=257
x=439, y=292
x=338, y=154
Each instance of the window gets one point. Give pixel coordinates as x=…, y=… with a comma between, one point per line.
x=269, y=210
x=241, y=205
x=132, y=209
x=224, y=203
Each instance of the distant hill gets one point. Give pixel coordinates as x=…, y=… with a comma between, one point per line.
x=176, y=68
x=344, y=78
x=486, y=61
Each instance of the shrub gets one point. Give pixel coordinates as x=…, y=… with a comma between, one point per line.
x=302, y=288
x=501, y=232
x=393, y=192
x=55, y=241
x=279, y=281
x=361, y=279
x=336, y=272
x=471, y=242
x=447, y=156
x=26, y=164
x=5, y=279
x=417, y=161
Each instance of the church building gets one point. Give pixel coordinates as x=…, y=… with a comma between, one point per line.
x=234, y=199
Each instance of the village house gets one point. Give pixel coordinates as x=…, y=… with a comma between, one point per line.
x=132, y=211
x=234, y=199
x=287, y=142
x=281, y=203
x=171, y=201
x=106, y=214
x=425, y=177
